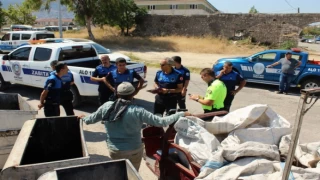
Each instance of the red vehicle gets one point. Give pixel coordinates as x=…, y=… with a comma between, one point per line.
x=160, y=158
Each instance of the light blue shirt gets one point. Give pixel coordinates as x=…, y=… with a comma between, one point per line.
x=125, y=134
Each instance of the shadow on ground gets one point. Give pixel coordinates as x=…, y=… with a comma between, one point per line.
x=94, y=158
x=94, y=136
x=32, y=93
x=272, y=88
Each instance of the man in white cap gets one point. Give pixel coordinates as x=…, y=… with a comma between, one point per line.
x=123, y=121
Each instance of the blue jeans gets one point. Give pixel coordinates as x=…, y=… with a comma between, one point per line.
x=285, y=80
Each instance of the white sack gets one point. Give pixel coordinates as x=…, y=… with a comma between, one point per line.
x=304, y=152
x=269, y=136
x=257, y=115
x=198, y=141
x=251, y=149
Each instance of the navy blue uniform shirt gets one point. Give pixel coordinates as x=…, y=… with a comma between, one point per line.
x=53, y=85
x=231, y=80
x=100, y=72
x=185, y=73
x=115, y=78
x=66, y=80
x=169, y=81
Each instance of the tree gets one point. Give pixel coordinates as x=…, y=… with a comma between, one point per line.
x=20, y=14
x=2, y=16
x=122, y=13
x=84, y=10
x=253, y=10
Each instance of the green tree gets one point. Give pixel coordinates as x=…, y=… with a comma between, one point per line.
x=20, y=14
x=253, y=10
x=85, y=10
x=122, y=13
x=2, y=16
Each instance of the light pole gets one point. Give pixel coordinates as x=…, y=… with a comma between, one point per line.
x=60, y=19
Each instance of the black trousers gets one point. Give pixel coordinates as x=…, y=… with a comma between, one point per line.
x=164, y=103
x=181, y=101
x=66, y=102
x=51, y=109
x=228, y=101
x=104, y=96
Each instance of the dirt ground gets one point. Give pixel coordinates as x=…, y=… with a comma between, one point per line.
x=195, y=60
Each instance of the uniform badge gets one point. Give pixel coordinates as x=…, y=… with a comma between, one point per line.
x=187, y=74
x=16, y=67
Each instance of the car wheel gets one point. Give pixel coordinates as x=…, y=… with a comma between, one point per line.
x=310, y=83
x=76, y=96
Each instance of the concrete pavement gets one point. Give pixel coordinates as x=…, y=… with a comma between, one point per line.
x=285, y=105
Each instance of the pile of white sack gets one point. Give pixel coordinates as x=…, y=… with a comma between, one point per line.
x=245, y=144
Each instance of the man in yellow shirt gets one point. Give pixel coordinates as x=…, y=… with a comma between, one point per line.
x=215, y=94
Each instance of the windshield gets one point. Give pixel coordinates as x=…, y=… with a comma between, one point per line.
x=100, y=49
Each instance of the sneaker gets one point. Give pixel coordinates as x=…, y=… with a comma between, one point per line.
x=279, y=92
x=286, y=93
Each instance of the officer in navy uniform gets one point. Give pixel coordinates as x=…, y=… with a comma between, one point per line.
x=99, y=75
x=231, y=79
x=66, y=95
x=50, y=96
x=169, y=83
x=186, y=78
x=122, y=74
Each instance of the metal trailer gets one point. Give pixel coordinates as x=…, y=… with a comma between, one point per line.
x=308, y=97
x=14, y=111
x=43, y=145
x=110, y=170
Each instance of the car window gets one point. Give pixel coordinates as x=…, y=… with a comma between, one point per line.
x=21, y=54
x=42, y=54
x=6, y=37
x=25, y=36
x=100, y=49
x=267, y=57
x=15, y=36
x=77, y=53
x=44, y=36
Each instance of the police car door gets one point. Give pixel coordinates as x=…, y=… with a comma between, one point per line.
x=20, y=65
x=40, y=65
x=277, y=69
x=258, y=66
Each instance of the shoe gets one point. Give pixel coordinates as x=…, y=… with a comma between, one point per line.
x=285, y=93
x=279, y=92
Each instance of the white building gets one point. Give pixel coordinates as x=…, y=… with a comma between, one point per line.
x=177, y=7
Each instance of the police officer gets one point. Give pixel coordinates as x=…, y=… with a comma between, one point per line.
x=66, y=95
x=99, y=75
x=231, y=79
x=50, y=96
x=186, y=78
x=122, y=74
x=169, y=83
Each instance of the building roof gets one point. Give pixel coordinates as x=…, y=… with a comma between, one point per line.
x=54, y=20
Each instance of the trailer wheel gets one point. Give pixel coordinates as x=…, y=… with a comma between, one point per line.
x=310, y=83
x=76, y=96
x=3, y=84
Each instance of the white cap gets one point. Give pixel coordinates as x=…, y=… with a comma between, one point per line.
x=125, y=88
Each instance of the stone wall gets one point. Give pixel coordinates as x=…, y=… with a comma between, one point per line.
x=263, y=28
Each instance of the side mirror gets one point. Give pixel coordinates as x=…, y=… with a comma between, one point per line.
x=250, y=59
x=5, y=57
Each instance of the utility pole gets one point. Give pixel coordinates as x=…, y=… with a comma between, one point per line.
x=60, y=19
x=298, y=10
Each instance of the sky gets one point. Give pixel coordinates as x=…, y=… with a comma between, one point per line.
x=267, y=6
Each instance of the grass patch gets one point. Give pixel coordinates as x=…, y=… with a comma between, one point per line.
x=110, y=38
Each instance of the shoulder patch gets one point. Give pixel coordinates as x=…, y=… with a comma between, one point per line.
x=187, y=74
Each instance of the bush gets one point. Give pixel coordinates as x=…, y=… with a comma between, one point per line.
x=288, y=44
